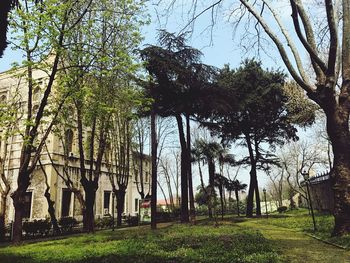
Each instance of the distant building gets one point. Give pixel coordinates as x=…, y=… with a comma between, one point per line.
x=322, y=195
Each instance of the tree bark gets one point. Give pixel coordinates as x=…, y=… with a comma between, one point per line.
x=120, y=194
x=211, y=190
x=221, y=200
x=2, y=216
x=252, y=187
x=190, y=183
x=257, y=199
x=90, y=189
x=338, y=130
x=51, y=210
x=154, y=172
x=237, y=201
x=184, y=172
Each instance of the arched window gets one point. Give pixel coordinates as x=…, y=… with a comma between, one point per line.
x=35, y=109
x=36, y=94
x=68, y=137
x=3, y=99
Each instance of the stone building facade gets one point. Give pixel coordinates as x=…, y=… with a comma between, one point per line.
x=53, y=160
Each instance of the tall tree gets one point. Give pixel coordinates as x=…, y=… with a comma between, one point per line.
x=178, y=76
x=43, y=51
x=256, y=116
x=10, y=115
x=97, y=70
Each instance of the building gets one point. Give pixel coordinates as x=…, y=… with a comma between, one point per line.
x=56, y=162
x=322, y=194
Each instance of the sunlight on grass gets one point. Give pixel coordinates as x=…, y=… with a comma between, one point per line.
x=179, y=243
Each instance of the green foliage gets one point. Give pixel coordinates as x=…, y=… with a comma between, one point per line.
x=250, y=109
x=67, y=224
x=282, y=209
x=37, y=227
x=177, y=75
x=301, y=110
x=104, y=222
x=132, y=220
x=179, y=243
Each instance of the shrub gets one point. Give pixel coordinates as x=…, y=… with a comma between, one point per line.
x=282, y=209
x=163, y=216
x=67, y=224
x=132, y=220
x=37, y=227
x=104, y=222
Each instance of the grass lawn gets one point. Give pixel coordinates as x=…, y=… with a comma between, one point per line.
x=301, y=220
x=281, y=238
x=178, y=243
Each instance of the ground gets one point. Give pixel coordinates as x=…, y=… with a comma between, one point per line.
x=232, y=240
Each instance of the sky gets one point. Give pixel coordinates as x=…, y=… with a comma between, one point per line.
x=219, y=46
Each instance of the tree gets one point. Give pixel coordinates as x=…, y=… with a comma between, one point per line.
x=5, y=7
x=43, y=51
x=254, y=115
x=10, y=115
x=329, y=86
x=220, y=182
x=170, y=169
x=210, y=153
x=300, y=156
x=176, y=73
x=140, y=141
x=98, y=71
x=236, y=186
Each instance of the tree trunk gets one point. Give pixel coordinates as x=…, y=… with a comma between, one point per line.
x=184, y=172
x=154, y=172
x=89, y=215
x=120, y=194
x=257, y=199
x=221, y=201
x=338, y=131
x=51, y=210
x=18, y=204
x=252, y=187
x=211, y=190
x=2, y=216
x=237, y=201
x=190, y=183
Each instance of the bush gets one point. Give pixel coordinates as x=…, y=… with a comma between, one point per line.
x=37, y=227
x=202, y=210
x=104, y=222
x=67, y=224
x=132, y=220
x=164, y=216
x=282, y=209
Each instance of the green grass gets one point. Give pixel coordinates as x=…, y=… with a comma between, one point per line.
x=301, y=220
x=179, y=243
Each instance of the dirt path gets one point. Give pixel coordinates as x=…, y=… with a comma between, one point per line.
x=298, y=247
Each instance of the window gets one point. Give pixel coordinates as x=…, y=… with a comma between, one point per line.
x=68, y=137
x=66, y=199
x=36, y=94
x=27, y=204
x=136, y=205
x=106, y=202
x=146, y=177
